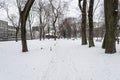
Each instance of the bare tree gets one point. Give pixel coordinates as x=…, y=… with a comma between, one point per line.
x=19, y=7
x=55, y=14
x=83, y=24
x=68, y=28
x=44, y=14
x=23, y=17
x=111, y=14
x=40, y=11
x=30, y=22
x=12, y=18
x=91, y=26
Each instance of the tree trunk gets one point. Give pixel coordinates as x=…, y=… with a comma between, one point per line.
x=43, y=33
x=91, y=27
x=17, y=29
x=48, y=30
x=54, y=30
x=40, y=33
x=16, y=34
x=83, y=24
x=23, y=34
x=23, y=17
x=41, y=27
x=111, y=10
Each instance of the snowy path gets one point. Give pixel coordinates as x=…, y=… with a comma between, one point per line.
x=57, y=60
x=60, y=70
x=60, y=66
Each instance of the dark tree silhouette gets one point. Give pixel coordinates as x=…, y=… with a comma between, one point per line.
x=111, y=11
x=83, y=24
x=91, y=26
x=23, y=16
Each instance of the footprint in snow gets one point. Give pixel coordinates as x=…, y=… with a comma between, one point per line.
x=41, y=48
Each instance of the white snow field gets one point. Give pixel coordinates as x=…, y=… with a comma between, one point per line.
x=57, y=60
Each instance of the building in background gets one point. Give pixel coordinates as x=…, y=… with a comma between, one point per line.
x=9, y=32
x=3, y=30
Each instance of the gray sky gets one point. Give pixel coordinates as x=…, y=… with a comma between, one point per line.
x=73, y=9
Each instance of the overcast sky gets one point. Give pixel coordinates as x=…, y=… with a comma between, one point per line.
x=73, y=10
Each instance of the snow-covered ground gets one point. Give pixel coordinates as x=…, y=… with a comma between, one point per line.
x=57, y=60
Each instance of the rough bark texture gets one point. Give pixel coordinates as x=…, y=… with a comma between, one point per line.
x=83, y=24
x=40, y=33
x=91, y=26
x=111, y=10
x=40, y=28
x=23, y=34
x=23, y=16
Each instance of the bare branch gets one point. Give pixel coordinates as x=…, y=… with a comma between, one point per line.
x=97, y=5
x=79, y=4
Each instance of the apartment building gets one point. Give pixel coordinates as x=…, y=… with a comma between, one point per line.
x=3, y=29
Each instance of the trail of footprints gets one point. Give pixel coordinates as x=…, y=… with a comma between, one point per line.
x=61, y=69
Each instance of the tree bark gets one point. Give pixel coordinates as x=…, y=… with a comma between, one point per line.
x=54, y=30
x=40, y=27
x=16, y=34
x=40, y=33
x=23, y=16
x=23, y=34
x=43, y=32
x=83, y=24
x=111, y=10
x=91, y=26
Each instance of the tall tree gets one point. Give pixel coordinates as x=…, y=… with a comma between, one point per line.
x=55, y=15
x=40, y=8
x=23, y=17
x=83, y=24
x=43, y=11
x=91, y=26
x=15, y=21
x=111, y=11
x=19, y=7
x=30, y=22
